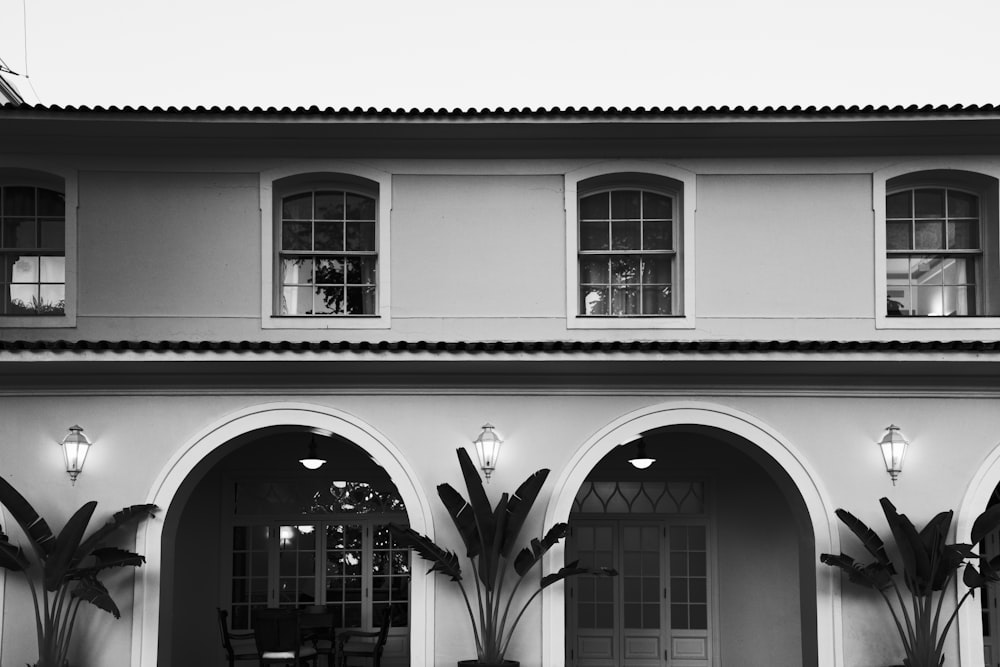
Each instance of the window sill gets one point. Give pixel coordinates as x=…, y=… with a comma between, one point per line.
x=933, y=323
x=37, y=321
x=333, y=322
x=630, y=323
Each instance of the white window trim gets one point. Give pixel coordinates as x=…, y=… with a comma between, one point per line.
x=382, y=319
x=685, y=247
x=70, y=193
x=880, y=178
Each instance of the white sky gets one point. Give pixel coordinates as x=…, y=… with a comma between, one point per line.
x=506, y=53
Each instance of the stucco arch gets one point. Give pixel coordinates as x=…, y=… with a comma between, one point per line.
x=145, y=621
x=969, y=625
x=629, y=427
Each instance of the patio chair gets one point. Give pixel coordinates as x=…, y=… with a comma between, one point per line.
x=278, y=638
x=367, y=650
x=239, y=644
x=316, y=626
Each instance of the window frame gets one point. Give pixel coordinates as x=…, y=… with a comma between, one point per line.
x=979, y=177
x=630, y=174
x=279, y=183
x=64, y=181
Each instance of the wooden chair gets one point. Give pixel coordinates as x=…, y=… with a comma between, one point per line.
x=245, y=644
x=278, y=638
x=316, y=626
x=368, y=650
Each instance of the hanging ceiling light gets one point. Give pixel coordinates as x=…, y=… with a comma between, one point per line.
x=488, y=448
x=641, y=460
x=75, y=446
x=893, y=445
x=312, y=461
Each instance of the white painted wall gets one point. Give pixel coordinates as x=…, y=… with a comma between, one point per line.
x=140, y=433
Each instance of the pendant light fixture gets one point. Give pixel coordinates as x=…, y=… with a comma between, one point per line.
x=641, y=460
x=311, y=460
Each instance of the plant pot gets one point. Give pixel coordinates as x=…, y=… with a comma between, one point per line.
x=476, y=663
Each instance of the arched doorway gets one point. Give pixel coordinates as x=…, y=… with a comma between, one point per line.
x=753, y=494
x=261, y=427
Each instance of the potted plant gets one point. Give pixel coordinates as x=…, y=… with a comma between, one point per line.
x=63, y=570
x=489, y=534
x=928, y=567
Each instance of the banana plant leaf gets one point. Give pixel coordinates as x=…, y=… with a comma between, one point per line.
x=519, y=508
x=869, y=538
x=90, y=589
x=37, y=530
x=463, y=517
x=121, y=518
x=526, y=559
x=442, y=560
x=59, y=561
x=12, y=556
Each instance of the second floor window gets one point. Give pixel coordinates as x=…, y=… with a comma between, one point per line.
x=32, y=251
x=627, y=253
x=327, y=258
x=934, y=252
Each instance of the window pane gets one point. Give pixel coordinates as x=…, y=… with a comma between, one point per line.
x=296, y=300
x=594, y=236
x=657, y=235
x=296, y=236
x=624, y=301
x=52, y=270
x=51, y=203
x=625, y=235
x=594, y=270
x=656, y=206
x=898, y=235
x=360, y=236
x=625, y=204
x=329, y=300
x=656, y=269
x=296, y=271
x=359, y=301
x=298, y=207
x=928, y=300
x=656, y=301
x=330, y=271
x=593, y=301
x=929, y=235
x=19, y=233
x=329, y=235
x=898, y=301
x=18, y=200
x=899, y=205
x=958, y=300
x=962, y=205
x=25, y=270
x=957, y=271
x=963, y=234
x=366, y=267
x=23, y=299
x=698, y=617
x=595, y=207
x=360, y=207
x=329, y=205
x=625, y=270
x=678, y=617
x=929, y=203
x=53, y=233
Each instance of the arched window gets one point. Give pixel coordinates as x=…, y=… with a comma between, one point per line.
x=327, y=250
x=629, y=228
x=32, y=249
x=941, y=258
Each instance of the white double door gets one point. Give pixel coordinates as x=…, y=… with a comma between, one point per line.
x=657, y=611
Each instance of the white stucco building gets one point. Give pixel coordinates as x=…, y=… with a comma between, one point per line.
x=757, y=294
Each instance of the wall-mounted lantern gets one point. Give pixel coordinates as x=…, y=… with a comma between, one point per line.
x=893, y=445
x=75, y=446
x=488, y=448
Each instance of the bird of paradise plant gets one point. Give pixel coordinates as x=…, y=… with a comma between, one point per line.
x=489, y=534
x=929, y=566
x=64, y=570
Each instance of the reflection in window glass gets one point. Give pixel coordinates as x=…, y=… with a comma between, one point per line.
x=32, y=251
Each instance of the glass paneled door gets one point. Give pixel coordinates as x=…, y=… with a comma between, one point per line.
x=656, y=611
